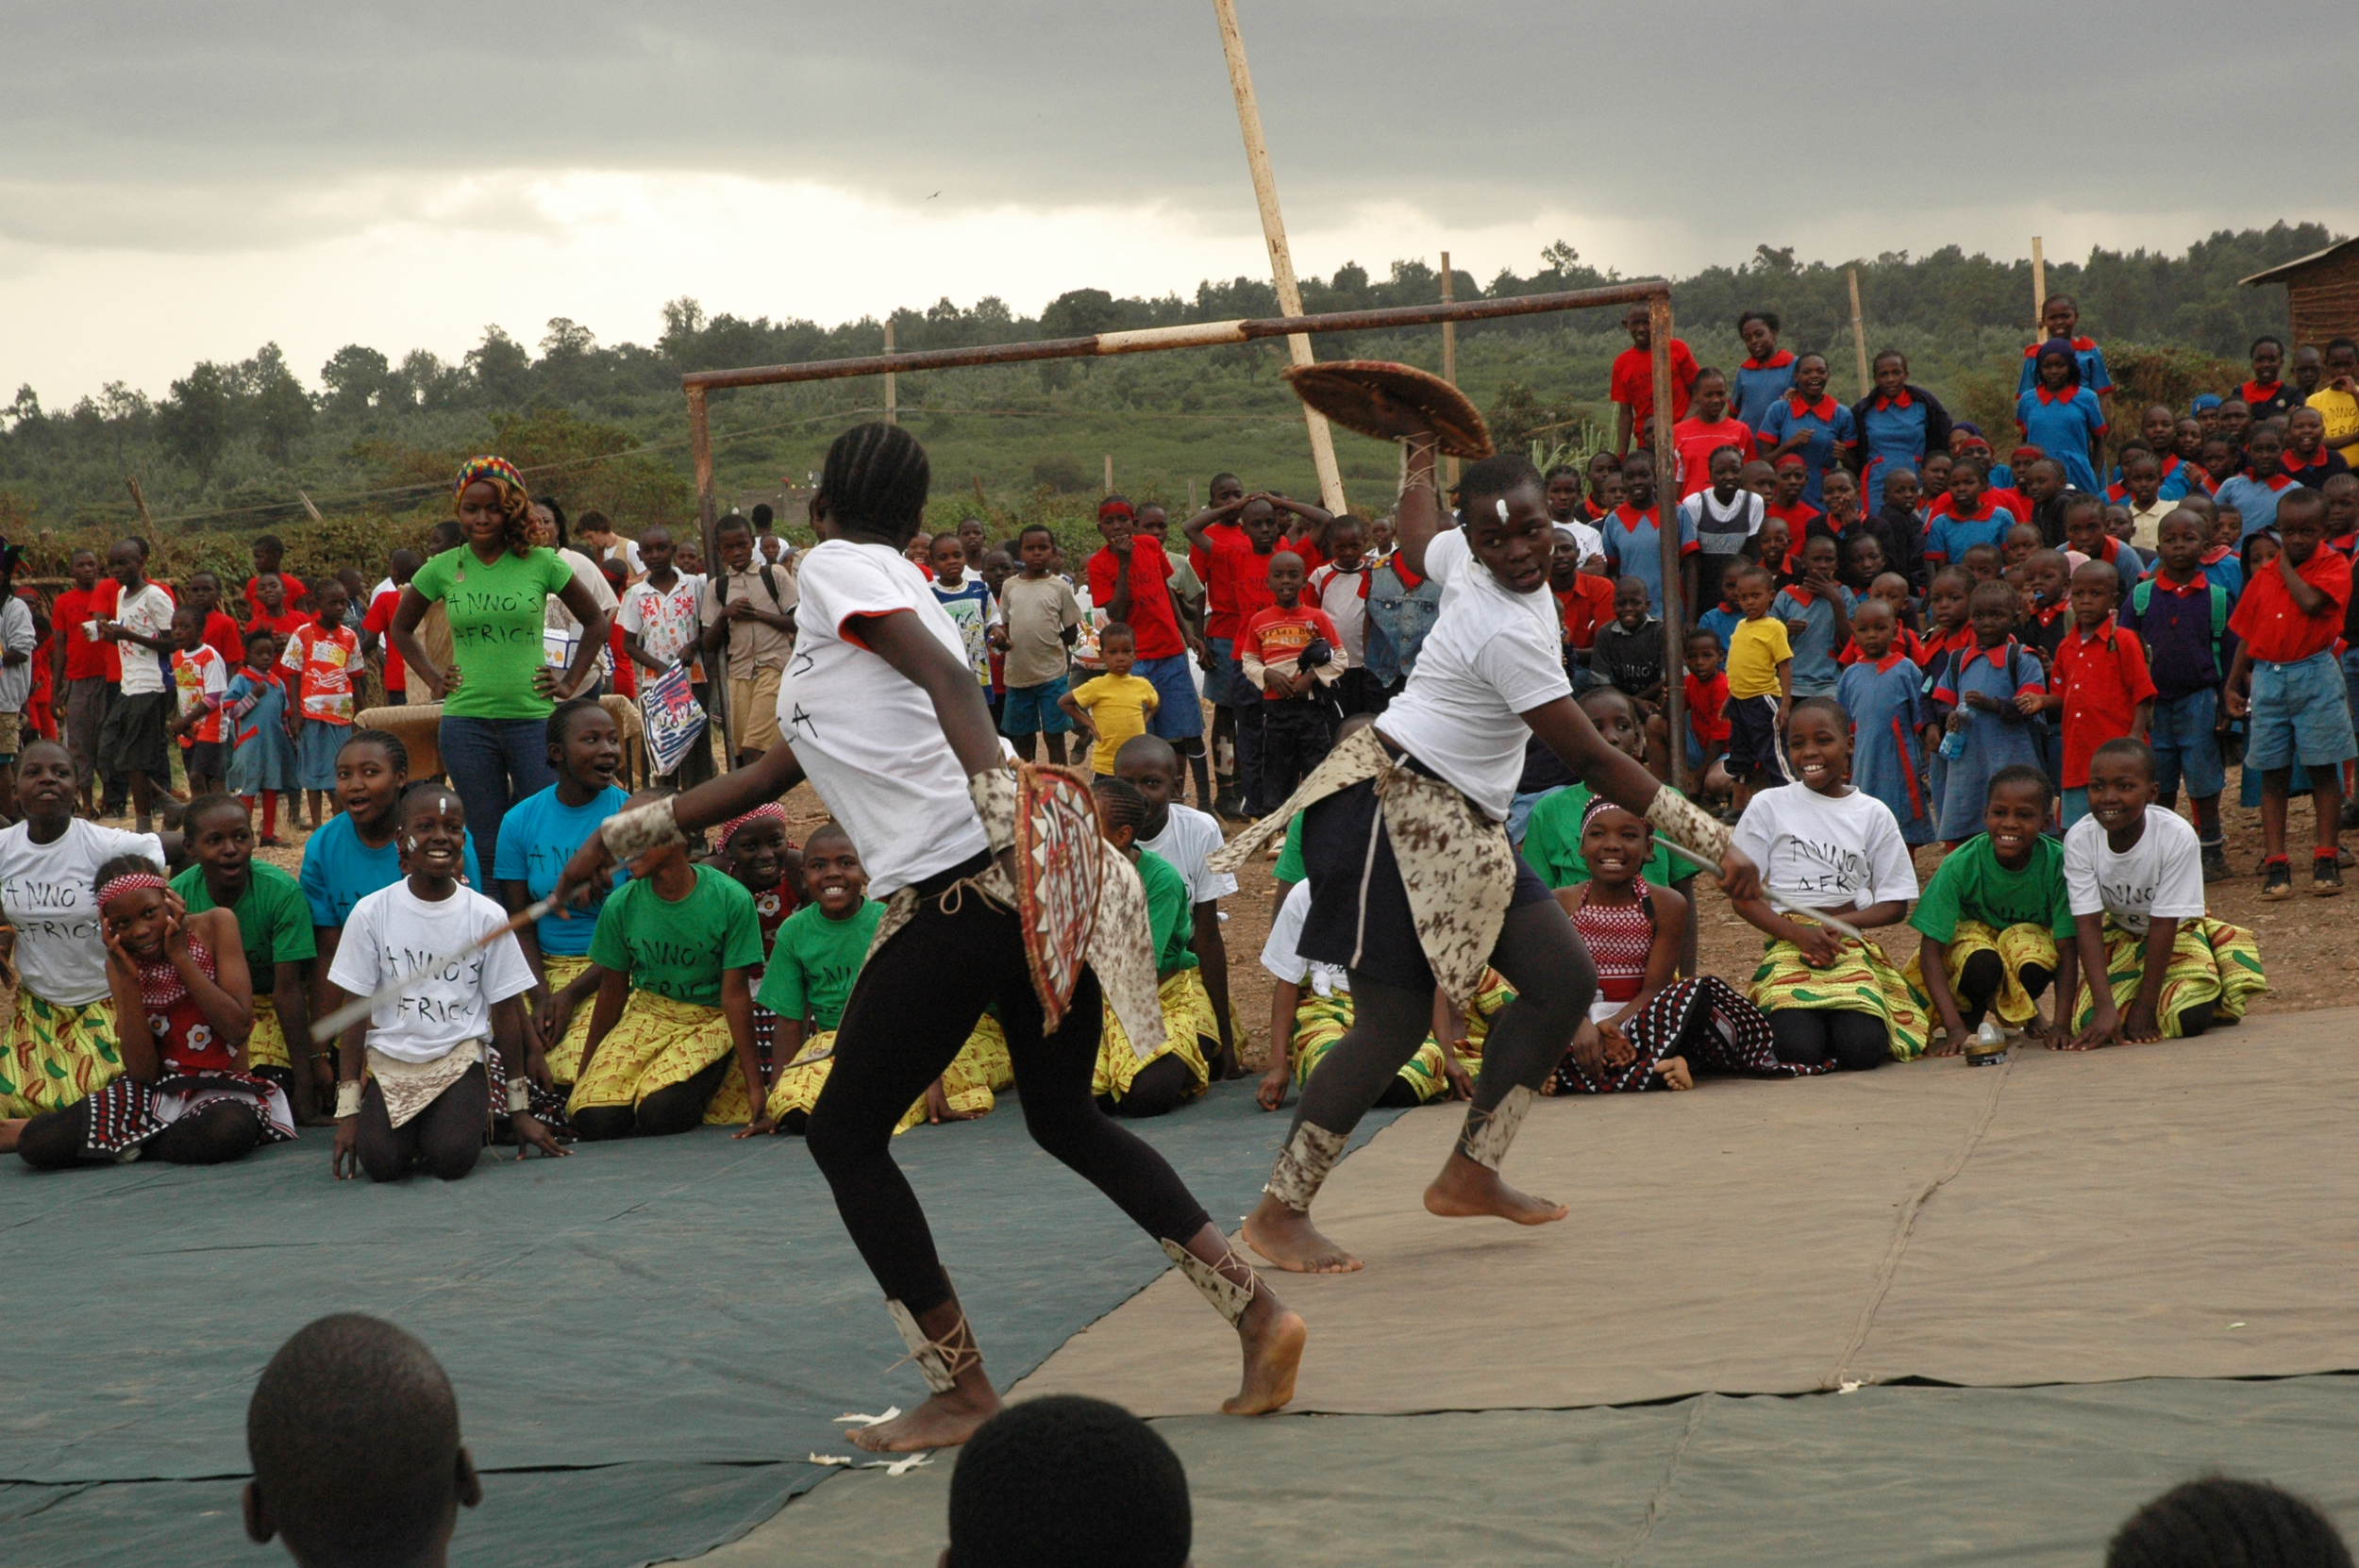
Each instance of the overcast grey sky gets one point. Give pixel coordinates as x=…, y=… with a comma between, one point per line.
x=189, y=181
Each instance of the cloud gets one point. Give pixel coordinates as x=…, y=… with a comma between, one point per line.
x=188, y=181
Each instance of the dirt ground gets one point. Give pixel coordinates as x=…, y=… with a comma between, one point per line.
x=2310, y=945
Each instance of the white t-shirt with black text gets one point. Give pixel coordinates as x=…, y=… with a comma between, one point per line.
x=2160, y=877
x=866, y=735
x=392, y=933
x=1826, y=851
x=149, y=613
x=46, y=893
x=1492, y=656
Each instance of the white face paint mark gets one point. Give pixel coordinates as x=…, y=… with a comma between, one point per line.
x=1501, y=505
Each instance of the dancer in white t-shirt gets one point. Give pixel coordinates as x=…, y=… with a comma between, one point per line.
x=881, y=712
x=1418, y=885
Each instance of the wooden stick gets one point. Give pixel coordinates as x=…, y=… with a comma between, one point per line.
x=1110, y=474
x=1273, y=232
x=309, y=508
x=1667, y=490
x=708, y=529
x=2039, y=289
x=354, y=1011
x=139, y=500
x=1859, y=340
x=893, y=398
x=1776, y=901
x=1449, y=361
x=1210, y=334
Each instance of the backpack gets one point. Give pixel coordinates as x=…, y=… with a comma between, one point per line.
x=2143, y=595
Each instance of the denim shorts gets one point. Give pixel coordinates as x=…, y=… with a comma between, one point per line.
x=2185, y=739
x=1033, y=711
x=1227, y=687
x=2299, y=711
x=1177, y=713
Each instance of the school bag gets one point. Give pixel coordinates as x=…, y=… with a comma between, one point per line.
x=2143, y=595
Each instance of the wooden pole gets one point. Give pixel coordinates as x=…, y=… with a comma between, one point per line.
x=146, y=521
x=2039, y=289
x=893, y=400
x=1859, y=339
x=1273, y=232
x=307, y=507
x=1110, y=474
x=708, y=529
x=1449, y=359
x=1667, y=532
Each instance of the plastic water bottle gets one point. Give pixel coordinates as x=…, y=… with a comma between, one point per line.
x=1953, y=744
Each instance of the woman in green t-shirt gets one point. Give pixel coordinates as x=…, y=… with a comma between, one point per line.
x=496, y=589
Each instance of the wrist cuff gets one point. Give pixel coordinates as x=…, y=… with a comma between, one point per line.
x=519, y=1095
x=1687, y=823
x=631, y=834
x=993, y=791
x=347, y=1098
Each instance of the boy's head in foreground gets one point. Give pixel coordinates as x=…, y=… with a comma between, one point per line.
x=353, y=1432
x=1068, y=1481
x=2217, y=1521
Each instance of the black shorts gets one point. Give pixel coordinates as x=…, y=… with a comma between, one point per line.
x=206, y=758
x=1360, y=917
x=132, y=738
x=1756, y=752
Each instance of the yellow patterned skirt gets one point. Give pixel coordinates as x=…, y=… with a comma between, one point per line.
x=565, y=1056
x=656, y=1044
x=1861, y=979
x=971, y=1082
x=2210, y=961
x=56, y=1056
x=266, y=1046
x=2016, y=946
x=1320, y=1022
x=1190, y=1028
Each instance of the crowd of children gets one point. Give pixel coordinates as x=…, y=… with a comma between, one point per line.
x=1905, y=642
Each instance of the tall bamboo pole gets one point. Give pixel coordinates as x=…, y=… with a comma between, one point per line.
x=2039, y=290
x=1666, y=487
x=1859, y=339
x=709, y=530
x=892, y=397
x=1273, y=232
x=1449, y=361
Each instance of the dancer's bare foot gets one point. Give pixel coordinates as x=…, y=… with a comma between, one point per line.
x=1466, y=1189
x=1293, y=1243
x=1674, y=1073
x=1272, y=1335
x=943, y=1421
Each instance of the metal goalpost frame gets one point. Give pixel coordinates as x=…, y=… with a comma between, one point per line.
x=1653, y=292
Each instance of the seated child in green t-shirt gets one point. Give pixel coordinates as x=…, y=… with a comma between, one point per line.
x=1179, y=1069
x=1997, y=924
x=814, y=965
x=677, y=947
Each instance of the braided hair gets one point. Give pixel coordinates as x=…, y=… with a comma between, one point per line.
x=875, y=482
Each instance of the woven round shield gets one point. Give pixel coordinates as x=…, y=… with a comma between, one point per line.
x=1378, y=398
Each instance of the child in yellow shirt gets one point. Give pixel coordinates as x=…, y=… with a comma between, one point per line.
x=1112, y=708
x=1761, y=687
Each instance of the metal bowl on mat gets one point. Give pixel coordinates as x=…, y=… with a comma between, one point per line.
x=1378, y=398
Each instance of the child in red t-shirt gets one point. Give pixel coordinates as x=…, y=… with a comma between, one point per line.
x=1706, y=694
x=1273, y=646
x=1631, y=387
x=2100, y=682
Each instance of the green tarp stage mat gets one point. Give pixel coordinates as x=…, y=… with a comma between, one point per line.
x=686, y=1313
x=2184, y=1210
x=1929, y=1478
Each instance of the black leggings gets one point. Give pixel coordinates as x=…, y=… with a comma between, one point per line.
x=1981, y=975
x=221, y=1132
x=913, y=1007
x=447, y=1136
x=675, y=1108
x=1553, y=979
x=1158, y=1088
x=1820, y=1036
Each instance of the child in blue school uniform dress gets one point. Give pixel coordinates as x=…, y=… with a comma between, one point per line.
x=1809, y=421
x=2059, y=317
x=1898, y=423
x=1817, y=615
x=1767, y=372
x=261, y=753
x=2063, y=417
x=1982, y=697
x=1884, y=692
